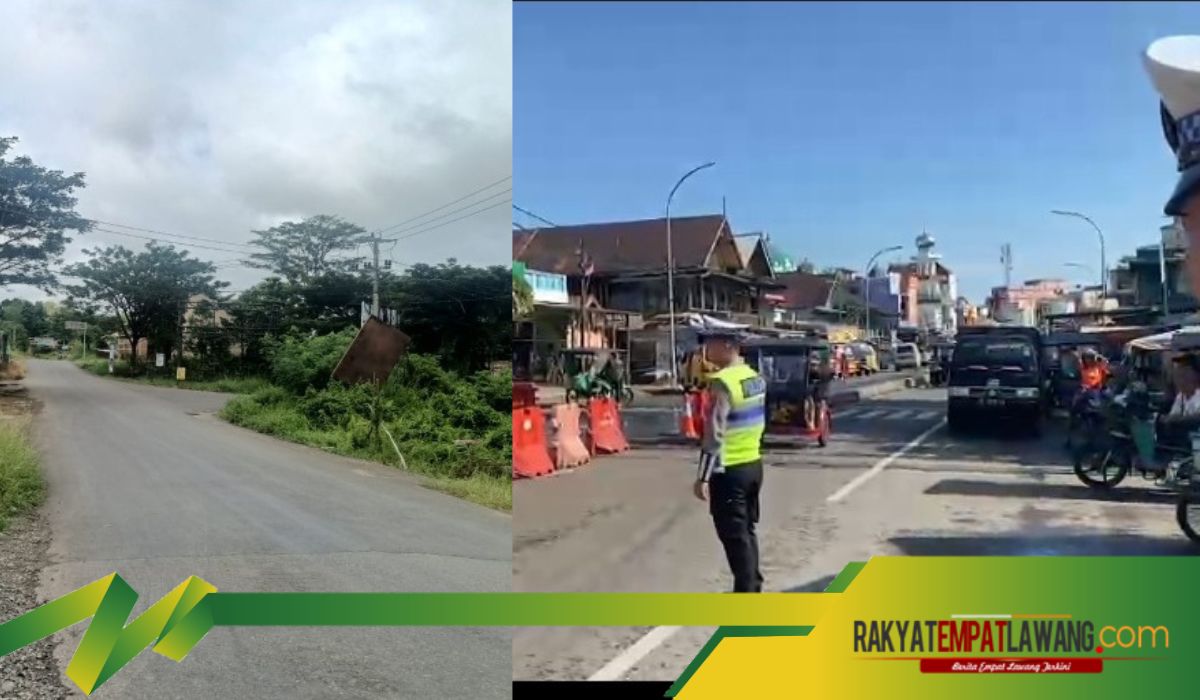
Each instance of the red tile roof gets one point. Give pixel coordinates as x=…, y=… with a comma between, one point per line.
x=623, y=246
x=804, y=290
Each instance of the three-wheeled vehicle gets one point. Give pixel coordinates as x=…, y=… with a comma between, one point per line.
x=797, y=373
x=594, y=372
x=868, y=358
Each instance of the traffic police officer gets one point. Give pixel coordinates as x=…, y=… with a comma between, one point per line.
x=1174, y=67
x=730, y=472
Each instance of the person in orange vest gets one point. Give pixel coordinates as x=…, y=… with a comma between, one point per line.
x=1093, y=376
x=1093, y=371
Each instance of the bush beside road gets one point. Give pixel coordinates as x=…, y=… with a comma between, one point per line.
x=454, y=430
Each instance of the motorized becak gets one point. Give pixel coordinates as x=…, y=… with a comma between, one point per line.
x=797, y=373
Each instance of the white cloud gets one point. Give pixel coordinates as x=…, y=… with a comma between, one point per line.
x=212, y=118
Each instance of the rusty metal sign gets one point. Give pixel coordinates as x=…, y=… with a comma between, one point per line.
x=373, y=354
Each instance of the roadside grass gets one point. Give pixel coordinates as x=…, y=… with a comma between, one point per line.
x=486, y=491
x=469, y=463
x=13, y=371
x=21, y=485
x=122, y=371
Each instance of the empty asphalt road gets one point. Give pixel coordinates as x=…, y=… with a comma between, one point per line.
x=147, y=482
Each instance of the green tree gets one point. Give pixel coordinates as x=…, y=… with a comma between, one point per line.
x=148, y=292
x=37, y=211
x=522, y=298
x=301, y=251
x=455, y=312
x=326, y=303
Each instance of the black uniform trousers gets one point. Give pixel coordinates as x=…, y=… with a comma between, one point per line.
x=733, y=503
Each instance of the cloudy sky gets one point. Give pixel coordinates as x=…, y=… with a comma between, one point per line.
x=210, y=118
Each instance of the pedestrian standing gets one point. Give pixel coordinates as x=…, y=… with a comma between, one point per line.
x=730, y=473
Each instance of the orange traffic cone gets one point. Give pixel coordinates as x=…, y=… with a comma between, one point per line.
x=687, y=424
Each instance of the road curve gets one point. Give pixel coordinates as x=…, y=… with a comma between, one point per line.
x=147, y=482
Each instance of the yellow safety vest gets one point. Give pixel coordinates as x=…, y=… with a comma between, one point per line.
x=747, y=415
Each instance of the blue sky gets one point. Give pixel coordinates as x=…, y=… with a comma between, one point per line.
x=842, y=128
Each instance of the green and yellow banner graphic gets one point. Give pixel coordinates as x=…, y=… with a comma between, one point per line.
x=943, y=626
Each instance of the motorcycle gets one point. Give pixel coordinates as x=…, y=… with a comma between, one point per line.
x=1187, y=488
x=1127, y=443
x=1113, y=435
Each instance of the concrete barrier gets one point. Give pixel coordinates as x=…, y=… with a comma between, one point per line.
x=846, y=397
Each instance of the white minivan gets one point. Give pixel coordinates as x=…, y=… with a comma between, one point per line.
x=907, y=356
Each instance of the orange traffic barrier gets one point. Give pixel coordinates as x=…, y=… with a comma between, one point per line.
x=703, y=406
x=530, y=456
x=568, y=447
x=607, y=435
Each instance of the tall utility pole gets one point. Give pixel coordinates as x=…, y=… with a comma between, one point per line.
x=375, y=241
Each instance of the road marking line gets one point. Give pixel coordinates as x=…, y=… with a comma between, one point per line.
x=902, y=414
x=926, y=415
x=848, y=413
x=621, y=664
x=872, y=414
x=883, y=463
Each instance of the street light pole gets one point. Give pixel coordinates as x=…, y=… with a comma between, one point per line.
x=671, y=269
x=867, y=286
x=1103, y=265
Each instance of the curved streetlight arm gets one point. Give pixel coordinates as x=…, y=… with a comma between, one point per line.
x=1103, y=263
x=686, y=175
x=671, y=269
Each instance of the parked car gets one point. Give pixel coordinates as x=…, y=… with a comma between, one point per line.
x=907, y=356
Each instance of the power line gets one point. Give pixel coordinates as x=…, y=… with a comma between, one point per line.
x=175, y=235
x=446, y=223
x=457, y=210
x=447, y=204
x=526, y=212
x=148, y=230
x=159, y=240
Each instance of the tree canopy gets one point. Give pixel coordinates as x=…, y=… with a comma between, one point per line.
x=455, y=312
x=301, y=251
x=37, y=211
x=149, y=291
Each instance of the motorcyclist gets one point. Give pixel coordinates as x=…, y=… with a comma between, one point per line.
x=1093, y=375
x=1093, y=371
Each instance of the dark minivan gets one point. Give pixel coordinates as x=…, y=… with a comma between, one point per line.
x=997, y=372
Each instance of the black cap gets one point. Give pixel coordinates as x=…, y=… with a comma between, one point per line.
x=733, y=335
